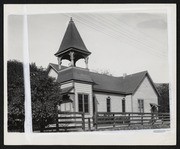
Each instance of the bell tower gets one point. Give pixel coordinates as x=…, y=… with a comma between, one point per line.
x=72, y=47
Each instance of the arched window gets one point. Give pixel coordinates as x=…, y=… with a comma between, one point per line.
x=141, y=105
x=123, y=105
x=108, y=102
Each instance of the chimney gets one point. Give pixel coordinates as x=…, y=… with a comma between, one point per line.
x=124, y=75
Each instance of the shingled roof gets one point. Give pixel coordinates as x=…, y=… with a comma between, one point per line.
x=74, y=73
x=72, y=39
x=130, y=82
x=104, y=83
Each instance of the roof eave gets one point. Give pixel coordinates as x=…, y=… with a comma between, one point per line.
x=77, y=80
x=108, y=91
x=49, y=68
x=152, y=83
x=73, y=49
x=68, y=90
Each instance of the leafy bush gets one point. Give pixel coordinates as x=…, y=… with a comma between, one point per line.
x=45, y=95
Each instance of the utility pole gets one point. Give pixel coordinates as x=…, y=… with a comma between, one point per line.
x=26, y=70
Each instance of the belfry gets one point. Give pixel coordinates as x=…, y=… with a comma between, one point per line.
x=72, y=47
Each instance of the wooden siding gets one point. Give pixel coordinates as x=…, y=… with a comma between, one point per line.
x=116, y=102
x=129, y=101
x=52, y=73
x=69, y=84
x=147, y=93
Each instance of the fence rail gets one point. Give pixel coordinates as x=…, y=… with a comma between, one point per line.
x=116, y=119
x=77, y=121
x=68, y=121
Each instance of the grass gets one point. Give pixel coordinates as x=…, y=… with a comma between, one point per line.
x=136, y=127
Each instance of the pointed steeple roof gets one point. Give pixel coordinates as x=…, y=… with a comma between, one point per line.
x=72, y=40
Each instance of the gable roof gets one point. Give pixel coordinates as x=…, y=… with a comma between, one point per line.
x=104, y=83
x=55, y=67
x=131, y=82
x=72, y=39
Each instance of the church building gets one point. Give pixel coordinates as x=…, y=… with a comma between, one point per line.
x=89, y=91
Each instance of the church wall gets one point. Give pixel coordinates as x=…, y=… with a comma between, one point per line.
x=116, y=102
x=147, y=93
x=83, y=88
x=52, y=73
x=129, y=102
x=69, y=84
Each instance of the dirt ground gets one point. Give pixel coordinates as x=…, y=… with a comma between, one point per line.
x=137, y=127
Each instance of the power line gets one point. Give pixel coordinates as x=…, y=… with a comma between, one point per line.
x=142, y=33
x=129, y=35
x=103, y=29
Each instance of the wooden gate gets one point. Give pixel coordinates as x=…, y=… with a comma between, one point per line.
x=68, y=121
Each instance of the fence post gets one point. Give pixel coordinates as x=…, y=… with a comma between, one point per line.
x=89, y=124
x=96, y=121
x=154, y=118
x=162, y=118
x=141, y=118
x=114, y=123
x=83, y=122
x=129, y=119
x=57, y=121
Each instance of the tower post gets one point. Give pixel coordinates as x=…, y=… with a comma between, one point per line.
x=86, y=61
x=59, y=62
x=72, y=58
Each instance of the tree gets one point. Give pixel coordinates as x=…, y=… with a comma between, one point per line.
x=163, y=90
x=45, y=95
x=15, y=96
x=104, y=72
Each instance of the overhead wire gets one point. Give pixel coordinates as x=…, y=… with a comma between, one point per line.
x=150, y=38
x=134, y=39
x=103, y=28
x=127, y=34
x=141, y=32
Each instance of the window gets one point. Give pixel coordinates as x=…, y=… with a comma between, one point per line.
x=123, y=105
x=141, y=105
x=108, y=102
x=83, y=103
x=67, y=106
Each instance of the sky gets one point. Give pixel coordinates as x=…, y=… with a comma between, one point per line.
x=119, y=42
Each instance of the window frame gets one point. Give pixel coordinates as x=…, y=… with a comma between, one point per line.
x=108, y=98
x=141, y=105
x=123, y=100
x=66, y=105
x=83, y=107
